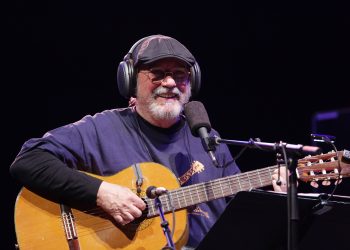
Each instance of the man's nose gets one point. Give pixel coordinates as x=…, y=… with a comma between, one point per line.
x=168, y=82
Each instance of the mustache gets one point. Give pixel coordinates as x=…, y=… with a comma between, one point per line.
x=162, y=90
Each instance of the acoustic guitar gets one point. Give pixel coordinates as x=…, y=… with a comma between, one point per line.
x=42, y=224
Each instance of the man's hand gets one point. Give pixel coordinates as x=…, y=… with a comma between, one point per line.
x=283, y=183
x=120, y=202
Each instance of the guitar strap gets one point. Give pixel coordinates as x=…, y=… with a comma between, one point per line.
x=139, y=177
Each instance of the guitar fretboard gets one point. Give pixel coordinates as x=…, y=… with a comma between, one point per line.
x=203, y=192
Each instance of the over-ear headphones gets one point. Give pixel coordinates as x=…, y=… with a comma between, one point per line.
x=126, y=74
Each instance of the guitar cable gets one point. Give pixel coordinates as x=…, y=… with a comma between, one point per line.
x=173, y=213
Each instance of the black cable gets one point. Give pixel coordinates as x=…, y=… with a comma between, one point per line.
x=251, y=141
x=173, y=213
x=284, y=153
x=278, y=181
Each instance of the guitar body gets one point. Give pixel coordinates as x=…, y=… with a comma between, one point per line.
x=39, y=225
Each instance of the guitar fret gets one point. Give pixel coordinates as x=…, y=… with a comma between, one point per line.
x=191, y=198
x=222, y=191
x=164, y=203
x=167, y=202
x=183, y=193
x=250, y=184
x=243, y=182
x=206, y=195
x=198, y=194
x=239, y=182
x=178, y=200
x=150, y=207
x=259, y=176
x=230, y=185
x=215, y=197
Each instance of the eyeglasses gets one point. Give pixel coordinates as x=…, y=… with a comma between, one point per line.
x=180, y=75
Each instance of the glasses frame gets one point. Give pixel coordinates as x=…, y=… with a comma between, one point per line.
x=166, y=73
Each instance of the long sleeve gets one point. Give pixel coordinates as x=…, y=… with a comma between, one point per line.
x=46, y=175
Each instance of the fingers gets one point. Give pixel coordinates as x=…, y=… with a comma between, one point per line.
x=119, y=202
x=125, y=213
x=119, y=220
x=124, y=217
x=279, y=188
x=133, y=212
x=138, y=203
x=279, y=181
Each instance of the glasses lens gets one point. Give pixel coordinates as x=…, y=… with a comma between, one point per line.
x=180, y=75
x=157, y=74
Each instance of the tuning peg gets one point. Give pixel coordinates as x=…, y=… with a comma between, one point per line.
x=314, y=184
x=326, y=183
x=312, y=173
x=338, y=181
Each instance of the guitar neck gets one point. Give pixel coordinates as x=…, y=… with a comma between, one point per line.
x=203, y=192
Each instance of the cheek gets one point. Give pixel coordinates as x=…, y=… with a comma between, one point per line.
x=183, y=87
x=145, y=89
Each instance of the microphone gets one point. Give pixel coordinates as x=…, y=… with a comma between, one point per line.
x=199, y=123
x=153, y=192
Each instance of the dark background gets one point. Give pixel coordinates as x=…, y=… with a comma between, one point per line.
x=267, y=68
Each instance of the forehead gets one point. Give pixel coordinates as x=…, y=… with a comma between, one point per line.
x=167, y=63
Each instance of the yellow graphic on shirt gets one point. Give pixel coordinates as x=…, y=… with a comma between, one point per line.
x=196, y=167
x=198, y=211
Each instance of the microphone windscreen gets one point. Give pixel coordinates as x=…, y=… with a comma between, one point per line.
x=149, y=191
x=197, y=116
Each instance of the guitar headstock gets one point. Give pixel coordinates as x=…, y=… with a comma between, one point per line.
x=324, y=166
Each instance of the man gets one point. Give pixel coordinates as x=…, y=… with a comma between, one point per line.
x=161, y=74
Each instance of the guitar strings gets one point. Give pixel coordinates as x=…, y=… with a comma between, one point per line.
x=219, y=188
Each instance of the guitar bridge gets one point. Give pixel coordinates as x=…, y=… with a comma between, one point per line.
x=69, y=227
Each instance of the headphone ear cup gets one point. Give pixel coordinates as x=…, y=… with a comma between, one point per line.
x=126, y=79
x=195, y=79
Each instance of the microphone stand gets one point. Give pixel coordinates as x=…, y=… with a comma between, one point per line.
x=290, y=148
x=292, y=193
x=292, y=204
x=165, y=226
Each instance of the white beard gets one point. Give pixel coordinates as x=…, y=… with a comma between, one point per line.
x=165, y=111
x=168, y=110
